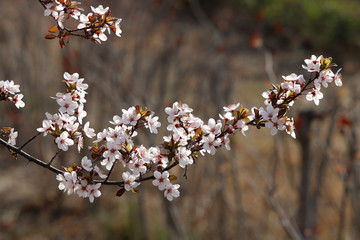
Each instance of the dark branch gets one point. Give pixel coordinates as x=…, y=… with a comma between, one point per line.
x=29, y=157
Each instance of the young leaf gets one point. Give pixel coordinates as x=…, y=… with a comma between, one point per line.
x=53, y=29
x=50, y=36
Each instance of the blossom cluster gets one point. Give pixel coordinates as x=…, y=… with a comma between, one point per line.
x=321, y=67
x=9, y=91
x=115, y=144
x=93, y=25
x=189, y=135
x=66, y=125
x=80, y=180
x=282, y=96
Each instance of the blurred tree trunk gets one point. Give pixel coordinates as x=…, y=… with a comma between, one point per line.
x=356, y=200
x=306, y=213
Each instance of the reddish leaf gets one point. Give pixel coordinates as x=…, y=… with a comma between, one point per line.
x=50, y=36
x=6, y=129
x=61, y=42
x=54, y=29
x=120, y=192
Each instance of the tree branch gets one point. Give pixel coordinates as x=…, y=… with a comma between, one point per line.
x=29, y=157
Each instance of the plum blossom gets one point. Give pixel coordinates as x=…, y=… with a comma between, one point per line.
x=99, y=172
x=17, y=99
x=152, y=123
x=130, y=116
x=269, y=113
x=129, y=181
x=137, y=166
x=110, y=154
x=86, y=164
x=171, y=191
x=337, y=78
x=68, y=182
x=9, y=91
x=228, y=116
x=89, y=132
x=172, y=113
x=100, y=10
x=59, y=17
x=80, y=113
x=325, y=77
x=213, y=127
x=93, y=191
x=101, y=136
x=313, y=64
x=63, y=141
x=67, y=105
x=12, y=137
x=183, y=155
x=161, y=180
x=242, y=126
x=81, y=190
x=71, y=126
x=118, y=30
x=226, y=142
x=231, y=107
x=275, y=124
x=210, y=143
x=47, y=127
x=315, y=95
x=290, y=127
x=157, y=158
x=116, y=120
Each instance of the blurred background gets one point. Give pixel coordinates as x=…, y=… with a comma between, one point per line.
x=207, y=54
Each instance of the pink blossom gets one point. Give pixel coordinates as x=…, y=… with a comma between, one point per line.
x=269, y=113
x=312, y=64
x=68, y=182
x=129, y=181
x=89, y=132
x=161, y=179
x=242, y=126
x=231, y=107
x=86, y=163
x=183, y=156
x=171, y=191
x=46, y=128
x=63, y=141
x=275, y=124
x=210, y=143
x=12, y=137
x=93, y=191
x=130, y=116
x=315, y=95
x=152, y=123
x=213, y=127
x=337, y=78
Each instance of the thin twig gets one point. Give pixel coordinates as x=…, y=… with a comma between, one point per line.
x=28, y=141
x=52, y=159
x=109, y=173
